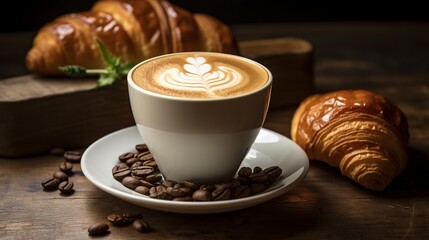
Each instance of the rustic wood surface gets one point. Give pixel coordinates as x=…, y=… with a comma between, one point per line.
x=388, y=58
x=73, y=107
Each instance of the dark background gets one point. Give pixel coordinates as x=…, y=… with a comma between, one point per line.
x=31, y=15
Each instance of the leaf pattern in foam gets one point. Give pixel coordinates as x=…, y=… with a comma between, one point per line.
x=197, y=75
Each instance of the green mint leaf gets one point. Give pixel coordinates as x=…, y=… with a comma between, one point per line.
x=105, y=80
x=73, y=71
x=106, y=54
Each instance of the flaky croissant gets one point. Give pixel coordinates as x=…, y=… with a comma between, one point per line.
x=360, y=132
x=133, y=30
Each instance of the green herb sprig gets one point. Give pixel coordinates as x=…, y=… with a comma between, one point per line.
x=114, y=71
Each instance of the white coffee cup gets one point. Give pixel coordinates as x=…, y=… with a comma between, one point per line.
x=193, y=132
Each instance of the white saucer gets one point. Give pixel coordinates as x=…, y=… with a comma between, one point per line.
x=269, y=149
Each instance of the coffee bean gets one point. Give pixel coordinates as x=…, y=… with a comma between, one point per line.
x=141, y=226
x=258, y=177
x=98, y=229
x=131, y=216
x=150, y=163
x=120, y=173
x=146, y=183
x=125, y=156
x=191, y=184
x=142, y=171
x=131, y=161
x=60, y=175
x=66, y=187
x=145, y=178
x=202, y=195
x=208, y=187
x=242, y=191
x=136, y=164
x=142, y=148
x=72, y=156
x=159, y=192
x=178, y=192
x=244, y=172
x=257, y=188
x=66, y=167
x=117, y=220
x=233, y=183
x=257, y=169
x=51, y=183
x=142, y=190
x=273, y=173
x=243, y=180
x=145, y=156
x=222, y=192
x=153, y=178
x=130, y=182
x=169, y=183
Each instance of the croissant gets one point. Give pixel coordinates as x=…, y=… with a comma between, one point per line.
x=133, y=30
x=361, y=133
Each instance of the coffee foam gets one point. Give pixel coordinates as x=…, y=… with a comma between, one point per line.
x=200, y=75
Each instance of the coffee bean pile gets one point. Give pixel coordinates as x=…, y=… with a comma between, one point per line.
x=134, y=219
x=60, y=178
x=138, y=171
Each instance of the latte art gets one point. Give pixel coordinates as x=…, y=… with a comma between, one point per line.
x=200, y=75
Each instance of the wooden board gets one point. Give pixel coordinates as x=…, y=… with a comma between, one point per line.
x=37, y=114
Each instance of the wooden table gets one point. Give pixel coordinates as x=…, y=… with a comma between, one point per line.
x=388, y=58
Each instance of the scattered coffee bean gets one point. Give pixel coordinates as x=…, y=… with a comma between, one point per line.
x=143, y=190
x=119, y=173
x=141, y=226
x=153, y=178
x=192, y=185
x=257, y=169
x=143, y=177
x=244, y=172
x=145, y=156
x=51, y=183
x=202, y=195
x=98, y=229
x=258, y=177
x=131, y=182
x=66, y=167
x=257, y=188
x=159, y=192
x=242, y=191
x=142, y=148
x=60, y=175
x=117, y=220
x=131, y=217
x=222, y=192
x=66, y=187
x=142, y=171
x=72, y=156
x=273, y=173
x=124, y=157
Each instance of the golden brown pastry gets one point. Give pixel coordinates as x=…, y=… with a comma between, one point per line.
x=360, y=132
x=134, y=30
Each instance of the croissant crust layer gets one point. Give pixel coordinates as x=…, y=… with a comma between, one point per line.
x=133, y=30
x=361, y=133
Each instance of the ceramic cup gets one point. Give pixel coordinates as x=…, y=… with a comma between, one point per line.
x=199, y=112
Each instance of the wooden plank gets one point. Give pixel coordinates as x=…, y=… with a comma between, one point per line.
x=38, y=113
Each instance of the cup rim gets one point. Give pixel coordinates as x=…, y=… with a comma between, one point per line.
x=132, y=84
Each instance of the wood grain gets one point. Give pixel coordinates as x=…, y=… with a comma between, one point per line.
x=40, y=113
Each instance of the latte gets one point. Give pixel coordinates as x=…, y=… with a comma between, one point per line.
x=200, y=75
